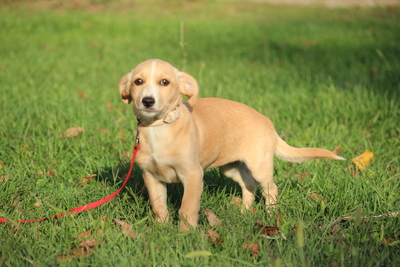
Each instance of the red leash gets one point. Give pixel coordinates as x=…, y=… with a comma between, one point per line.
x=93, y=204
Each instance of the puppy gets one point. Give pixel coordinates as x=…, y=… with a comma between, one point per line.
x=179, y=140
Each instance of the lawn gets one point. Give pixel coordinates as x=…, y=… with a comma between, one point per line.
x=326, y=77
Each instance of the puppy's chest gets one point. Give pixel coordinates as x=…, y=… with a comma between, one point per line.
x=161, y=167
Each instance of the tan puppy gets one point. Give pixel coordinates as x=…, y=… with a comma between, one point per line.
x=179, y=140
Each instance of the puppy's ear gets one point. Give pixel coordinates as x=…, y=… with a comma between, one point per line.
x=188, y=87
x=125, y=88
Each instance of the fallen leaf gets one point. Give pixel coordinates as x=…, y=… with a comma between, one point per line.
x=278, y=220
x=86, y=247
x=253, y=247
x=88, y=178
x=51, y=173
x=311, y=44
x=104, y=131
x=316, y=197
x=267, y=230
x=83, y=95
x=85, y=234
x=109, y=106
x=90, y=243
x=44, y=46
x=126, y=228
x=337, y=150
x=363, y=160
x=71, y=132
x=212, y=218
x=1, y=166
x=121, y=133
x=4, y=178
x=37, y=204
x=271, y=232
x=366, y=134
x=88, y=24
x=301, y=176
x=214, y=237
x=236, y=201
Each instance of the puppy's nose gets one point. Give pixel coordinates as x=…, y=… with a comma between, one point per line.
x=148, y=101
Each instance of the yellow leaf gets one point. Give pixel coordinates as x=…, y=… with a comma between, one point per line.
x=363, y=160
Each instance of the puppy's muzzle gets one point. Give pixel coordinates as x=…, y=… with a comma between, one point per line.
x=148, y=101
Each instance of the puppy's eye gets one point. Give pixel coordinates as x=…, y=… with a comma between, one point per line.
x=164, y=82
x=138, y=81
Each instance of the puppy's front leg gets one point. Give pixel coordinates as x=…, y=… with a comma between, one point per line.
x=193, y=187
x=158, y=197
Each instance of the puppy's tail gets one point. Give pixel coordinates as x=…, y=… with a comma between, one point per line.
x=292, y=154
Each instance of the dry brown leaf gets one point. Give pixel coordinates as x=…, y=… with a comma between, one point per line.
x=278, y=220
x=271, y=232
x=71, y=132
x=301, y=176
x=253, y=247
x=90, y=243
x=316, y=197
x=88, y=178
x=236, y=201
x=86, y=247
x=126, y=228
x=37, y=204
x=4, y=178
x=389, y=241
x=214, y=237
x=104, y=131
x=1, y=166
x=363, y=160
x=83, y=95
x=51, y=173
x=85, y=234
x=212, y=218
x=267, y=230
x=337, y=150
x=109, y=106
x=311, y=44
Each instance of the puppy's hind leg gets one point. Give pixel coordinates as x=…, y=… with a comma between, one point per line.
x=239, y=172
x=262, y=172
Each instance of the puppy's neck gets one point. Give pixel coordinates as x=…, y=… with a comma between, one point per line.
x=170, y=118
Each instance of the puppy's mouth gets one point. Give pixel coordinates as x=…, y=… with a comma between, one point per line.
x=147, y=113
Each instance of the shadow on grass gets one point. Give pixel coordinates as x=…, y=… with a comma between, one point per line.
x=215, y=183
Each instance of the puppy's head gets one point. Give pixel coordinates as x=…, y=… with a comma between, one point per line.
x=156, y=88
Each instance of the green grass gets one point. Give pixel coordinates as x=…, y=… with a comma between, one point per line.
x=326, y=78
